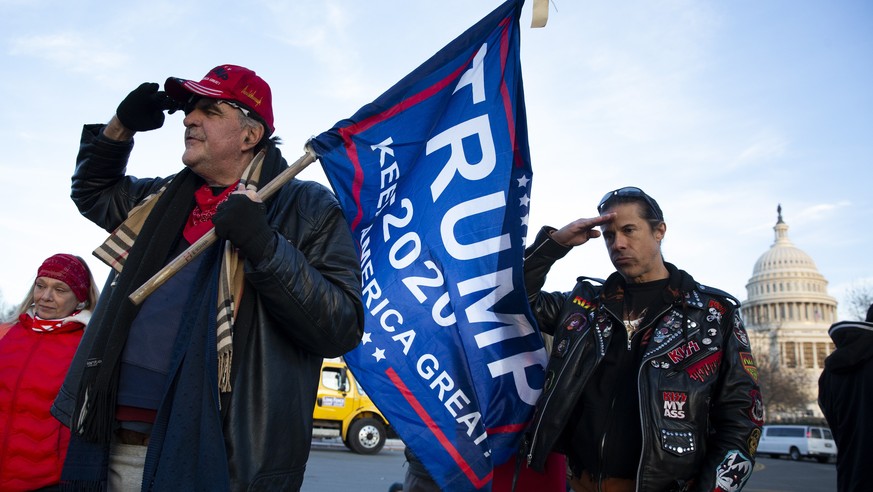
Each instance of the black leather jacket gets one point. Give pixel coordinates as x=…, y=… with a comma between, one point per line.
x=700, y=406
x=305, y=301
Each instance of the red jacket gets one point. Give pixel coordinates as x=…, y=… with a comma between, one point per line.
x=33, y=444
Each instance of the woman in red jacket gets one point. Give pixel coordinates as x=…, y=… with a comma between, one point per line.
x=35, y=352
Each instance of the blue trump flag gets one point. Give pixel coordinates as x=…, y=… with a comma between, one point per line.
x=434, y=179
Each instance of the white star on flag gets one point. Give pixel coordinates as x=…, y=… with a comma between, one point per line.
x=366, y=338
x=524, y=200
x=379, y=354
x=523, y=181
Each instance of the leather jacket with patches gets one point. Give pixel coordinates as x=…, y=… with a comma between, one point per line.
x=700, y=405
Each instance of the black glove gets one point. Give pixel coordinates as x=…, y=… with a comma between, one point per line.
x=243, y=222
x=143, y=109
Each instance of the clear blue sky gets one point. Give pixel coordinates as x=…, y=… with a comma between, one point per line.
x=720, y=110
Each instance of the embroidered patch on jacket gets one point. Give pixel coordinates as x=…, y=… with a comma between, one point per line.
x=674, y=404
x=713, y=304
x=682, y=352
x=716, y=311
x=748, y=361
x=740, y=332
x=575, y=322
x=704, y=368
x=583, y=302
x=742, y=336
x=732, y=473
x=756, y=410
x=754, y=438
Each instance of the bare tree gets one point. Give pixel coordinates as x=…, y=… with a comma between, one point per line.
x=784, y=390
x=859, y=297
x=6, y=309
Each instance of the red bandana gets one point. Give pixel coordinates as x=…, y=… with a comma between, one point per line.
x=200, y=220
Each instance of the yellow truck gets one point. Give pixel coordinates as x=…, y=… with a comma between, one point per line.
x=343, y=405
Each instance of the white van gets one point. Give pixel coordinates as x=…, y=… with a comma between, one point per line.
x=798, y=441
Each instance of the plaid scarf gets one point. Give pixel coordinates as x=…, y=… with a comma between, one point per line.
x=116, y=248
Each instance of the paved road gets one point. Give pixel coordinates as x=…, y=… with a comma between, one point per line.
x=784, y=475
x=333, y=468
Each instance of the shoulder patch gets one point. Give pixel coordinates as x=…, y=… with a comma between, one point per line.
x=718, y=292
x=591, y=280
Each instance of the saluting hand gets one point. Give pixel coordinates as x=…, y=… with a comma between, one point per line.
x=143, y=109
x=581, y=230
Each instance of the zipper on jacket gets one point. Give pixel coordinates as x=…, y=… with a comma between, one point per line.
x=533, y=438
x=539, y=246
x=643, y=363
x=630, y=338
x=642, y=423
x=599, y=477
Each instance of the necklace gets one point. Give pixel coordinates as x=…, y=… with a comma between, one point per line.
x=632, y=323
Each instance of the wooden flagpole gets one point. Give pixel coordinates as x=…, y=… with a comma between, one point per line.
x=199, y=246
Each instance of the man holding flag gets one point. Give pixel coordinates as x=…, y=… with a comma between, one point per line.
x=210, y=383
x=434, y=178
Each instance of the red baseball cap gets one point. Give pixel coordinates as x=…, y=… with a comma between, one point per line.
x=230, y=82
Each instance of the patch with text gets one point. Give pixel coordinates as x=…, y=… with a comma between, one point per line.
x=674, y=404
x=682, y=352
x=703, y=369
x=748, y=361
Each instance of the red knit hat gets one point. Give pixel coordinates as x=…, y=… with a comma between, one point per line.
x=69, y=270
x=232, y=83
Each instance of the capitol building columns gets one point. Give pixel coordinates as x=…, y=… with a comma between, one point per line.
x=787, y=314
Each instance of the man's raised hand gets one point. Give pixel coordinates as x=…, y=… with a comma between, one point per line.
x=581, y=230
x=143, y=109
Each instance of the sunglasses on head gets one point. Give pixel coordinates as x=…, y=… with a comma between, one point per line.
x=232, y=104
x=195, y=101
x=631, y=192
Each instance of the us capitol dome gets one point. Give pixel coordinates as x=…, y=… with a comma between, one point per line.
x=788, y=310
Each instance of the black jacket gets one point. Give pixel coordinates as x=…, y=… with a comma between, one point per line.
x=845, y=395
x=305, y=305
x=700, y=406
